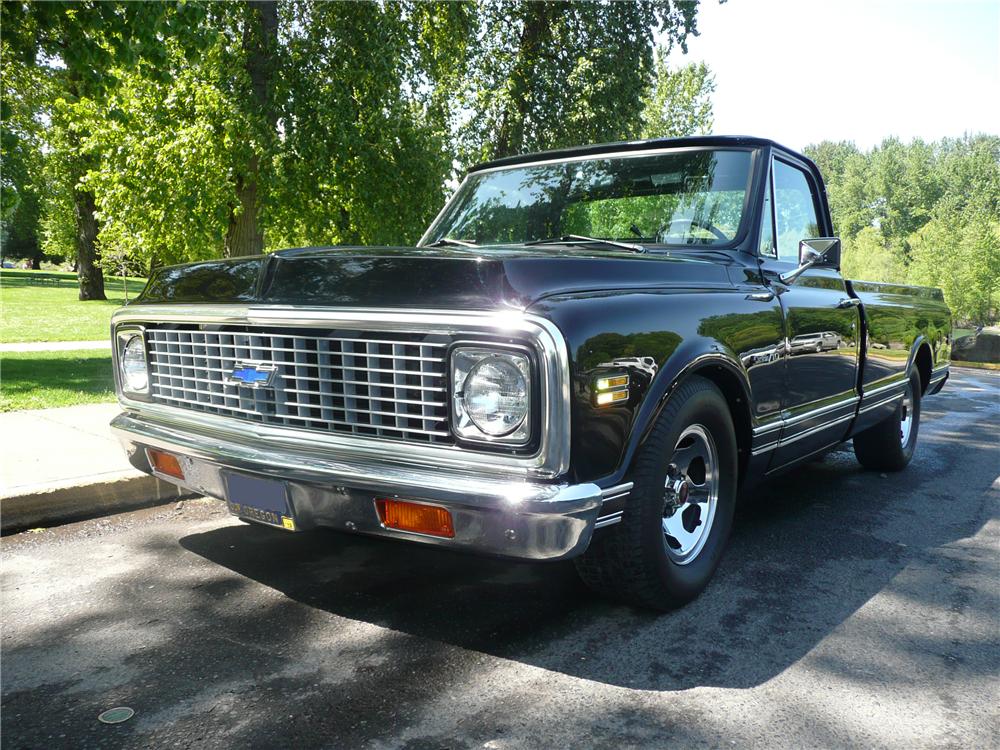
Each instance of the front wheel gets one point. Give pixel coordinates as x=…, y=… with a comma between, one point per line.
x=889, y=445
x=677, y=519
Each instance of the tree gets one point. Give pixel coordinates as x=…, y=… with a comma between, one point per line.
x=367, y=148
x=921, y=213
x=22, y=94
x=550, y=74
x=192, y=130
x=679, y=102
x=86, y=39
x=360, y=152
x=244, y=235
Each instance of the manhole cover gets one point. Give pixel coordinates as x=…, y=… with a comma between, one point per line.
x=116, y=715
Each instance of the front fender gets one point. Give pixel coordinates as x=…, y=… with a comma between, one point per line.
x=658, y=338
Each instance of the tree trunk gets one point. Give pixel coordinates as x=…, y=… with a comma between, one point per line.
x=535, y=35
x=244, y=235
x=89, y=274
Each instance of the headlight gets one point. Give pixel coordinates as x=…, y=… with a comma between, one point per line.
x=132, y=362
x=491, y=395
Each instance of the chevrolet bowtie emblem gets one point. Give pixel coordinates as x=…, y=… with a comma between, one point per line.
x=251, y=375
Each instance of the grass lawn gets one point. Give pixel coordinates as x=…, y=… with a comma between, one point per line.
x=39, y=380
x=43, y=306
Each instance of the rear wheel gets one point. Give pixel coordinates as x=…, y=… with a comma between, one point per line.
x=677, y=519
x=889, y=445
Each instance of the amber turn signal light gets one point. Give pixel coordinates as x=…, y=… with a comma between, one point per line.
x=416, y=517
x=165, y=463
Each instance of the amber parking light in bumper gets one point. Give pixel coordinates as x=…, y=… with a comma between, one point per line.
x=502, y=514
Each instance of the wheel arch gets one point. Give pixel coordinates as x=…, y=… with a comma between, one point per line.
x=732, y=382
x=922, y=360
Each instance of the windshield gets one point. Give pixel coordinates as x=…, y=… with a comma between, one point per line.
x=686, y=197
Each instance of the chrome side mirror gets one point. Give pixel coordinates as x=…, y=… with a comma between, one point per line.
x=822, y=253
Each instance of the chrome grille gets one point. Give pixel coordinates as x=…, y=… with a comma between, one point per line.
x=377, y=384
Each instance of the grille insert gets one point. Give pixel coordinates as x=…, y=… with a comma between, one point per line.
x=376, y=384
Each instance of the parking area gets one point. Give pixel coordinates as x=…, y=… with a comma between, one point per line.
x=853, y=608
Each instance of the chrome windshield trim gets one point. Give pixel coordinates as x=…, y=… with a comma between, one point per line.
x=611, y=155
x=553, y=454
x=752, y=149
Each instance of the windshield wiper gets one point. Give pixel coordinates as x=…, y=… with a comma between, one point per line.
x=576, y=239
x=451, y=241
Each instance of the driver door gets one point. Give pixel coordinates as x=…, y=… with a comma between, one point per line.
x=821, y=319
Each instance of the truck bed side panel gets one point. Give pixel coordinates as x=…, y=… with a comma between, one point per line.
x=898, y=320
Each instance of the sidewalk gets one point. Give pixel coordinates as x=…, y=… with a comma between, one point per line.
x=58, y=465
x=54, y=346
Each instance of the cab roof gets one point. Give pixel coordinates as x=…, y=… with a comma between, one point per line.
x=643, y=145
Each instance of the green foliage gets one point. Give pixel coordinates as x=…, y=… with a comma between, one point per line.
x=921, y=213
x=550, y=74
x=157, y=133
x=680, y=101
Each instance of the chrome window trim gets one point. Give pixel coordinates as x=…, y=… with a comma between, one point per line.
x=549, y=461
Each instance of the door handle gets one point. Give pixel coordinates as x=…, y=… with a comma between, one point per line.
x=849, y=302
x=760, y=296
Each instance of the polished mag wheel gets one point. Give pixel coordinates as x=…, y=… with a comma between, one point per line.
x=889, y=445
x=691, y=494
x=906, y=416
x=676, y=520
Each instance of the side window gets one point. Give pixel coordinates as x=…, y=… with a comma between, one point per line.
x=795, y=210
x=766, y=249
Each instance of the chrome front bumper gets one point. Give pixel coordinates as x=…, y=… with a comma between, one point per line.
x=492, y=513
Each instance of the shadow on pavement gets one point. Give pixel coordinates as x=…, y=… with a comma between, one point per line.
x=812, y=548
x=211, y=659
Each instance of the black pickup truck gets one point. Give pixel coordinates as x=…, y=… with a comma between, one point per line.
x=591, y=354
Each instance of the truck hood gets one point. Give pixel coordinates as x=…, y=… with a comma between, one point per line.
x=408, y=277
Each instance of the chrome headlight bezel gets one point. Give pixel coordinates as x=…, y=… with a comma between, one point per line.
x=464, y=360
x=124, y=336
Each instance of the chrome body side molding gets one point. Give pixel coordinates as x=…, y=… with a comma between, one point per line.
x=618, y=492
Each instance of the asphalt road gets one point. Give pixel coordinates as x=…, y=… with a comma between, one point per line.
x=853, y=608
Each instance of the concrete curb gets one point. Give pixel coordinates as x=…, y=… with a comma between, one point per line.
x=52, y=506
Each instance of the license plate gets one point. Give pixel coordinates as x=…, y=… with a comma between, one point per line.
x=261, y=500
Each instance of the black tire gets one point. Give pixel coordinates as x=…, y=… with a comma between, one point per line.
x=881, y=447
x=630, y=561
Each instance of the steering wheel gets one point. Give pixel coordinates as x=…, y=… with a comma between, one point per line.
x=706, y=225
